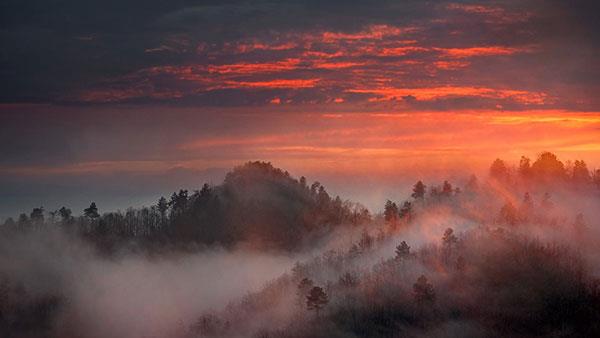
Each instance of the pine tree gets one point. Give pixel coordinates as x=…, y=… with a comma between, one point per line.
x=423, y=291
x=390, y=212
x=304, y=287
x=316, y=299
x=418, y=191
x=402, y=251
x=92, y=211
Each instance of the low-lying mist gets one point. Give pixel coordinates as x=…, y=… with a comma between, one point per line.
x=268, y=255
x=128, y=294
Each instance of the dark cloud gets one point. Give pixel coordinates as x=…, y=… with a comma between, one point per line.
x=52, y=51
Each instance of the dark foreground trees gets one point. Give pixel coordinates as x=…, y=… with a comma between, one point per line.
x=256, y=203
x=498, y=285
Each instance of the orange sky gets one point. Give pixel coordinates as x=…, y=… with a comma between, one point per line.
x=375, y=143
x=118, y=103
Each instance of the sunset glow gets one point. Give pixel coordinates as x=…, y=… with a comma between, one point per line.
x=432, y=88
x=292, y=169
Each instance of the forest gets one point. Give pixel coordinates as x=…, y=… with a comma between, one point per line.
x=264, y=254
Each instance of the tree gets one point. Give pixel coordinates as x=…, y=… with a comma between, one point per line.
x=65, y=215
x=402, y=251
x=390, y=212
x=449, y=239
x=303, y=183
x=418, y=191
x=37, y=216
x=525, y=167
x=23, y=220
x=548, y=167
x=406, y=211
x=178, y=202
x=316, y=299
x=423, y=291
x=581, y=174
x=162, y=206
x=314, y=188
x=303, y=289
x=499, y=170
x=91, y=212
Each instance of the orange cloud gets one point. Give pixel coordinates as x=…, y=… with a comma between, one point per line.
x=450, y=65
x=278, y=83
x=252, y=68
x=401, y=51
x=432, y=93
x=482, y=51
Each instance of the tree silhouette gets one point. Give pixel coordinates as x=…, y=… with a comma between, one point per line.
x=316, y=299
x=418, y=191
x=406, y=211
x=423, y=291
x=91, y=212
x=499, y=170
x=65, y=215
x=547, y=167
x=23, y=220
x=37, y=216
x=402, y=251
x=581, y=174
x=303, y=289
x=449, y=239
x=390, y=212
x=525, y=167
x=162, y=206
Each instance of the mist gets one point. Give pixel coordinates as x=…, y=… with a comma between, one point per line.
x=506, y=254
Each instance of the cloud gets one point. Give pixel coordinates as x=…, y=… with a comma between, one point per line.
x=178, y=53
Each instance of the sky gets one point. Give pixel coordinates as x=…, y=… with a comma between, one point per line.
x=120, y=102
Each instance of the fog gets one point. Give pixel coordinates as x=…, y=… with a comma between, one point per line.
x=132, y=295
x=496, y=256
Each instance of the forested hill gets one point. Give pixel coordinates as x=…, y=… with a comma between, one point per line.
x=257, y=204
